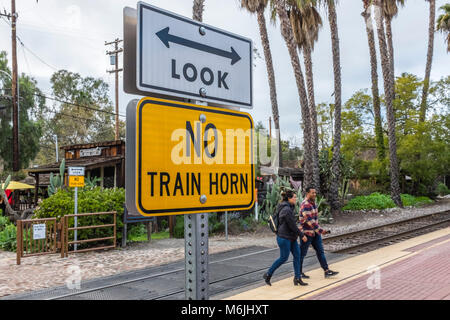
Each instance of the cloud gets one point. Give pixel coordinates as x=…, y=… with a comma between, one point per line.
x=71, y=35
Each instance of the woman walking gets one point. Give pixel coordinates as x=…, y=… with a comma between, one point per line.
x=287, y=234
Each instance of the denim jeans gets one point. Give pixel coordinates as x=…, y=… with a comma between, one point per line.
x=287, y=246
x=316, y=242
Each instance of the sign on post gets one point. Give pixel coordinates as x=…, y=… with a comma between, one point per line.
x=191, y=158
x=76, y=179
x=38, y=231
x=76, y=171
x=184, y=58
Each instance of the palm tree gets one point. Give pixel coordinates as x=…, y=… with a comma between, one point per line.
x=287, y=33
x=390, y=10
x=197, y=10
x=426, y=83
x=259, y=7
x=333, y=196
x=374, y=73
x=443, y=23
x=386, y=68
x=306, y=22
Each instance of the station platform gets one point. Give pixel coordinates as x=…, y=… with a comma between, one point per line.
x=415, y=269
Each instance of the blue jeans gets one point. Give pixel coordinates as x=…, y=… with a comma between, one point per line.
x=316, y=242
x=287, y=246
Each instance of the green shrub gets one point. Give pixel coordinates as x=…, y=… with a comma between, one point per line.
x=8, y=236
x=164, y=224
x=409, y=200
x=89, y=200
x=374, y=201
x=4, y=221
x=442, y=189
x=136, y=231
x=378, y=201
x=178, y=230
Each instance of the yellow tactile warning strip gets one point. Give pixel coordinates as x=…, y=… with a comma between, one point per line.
x=349, y=269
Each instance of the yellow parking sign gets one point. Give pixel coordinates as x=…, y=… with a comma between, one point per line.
x=192, y=158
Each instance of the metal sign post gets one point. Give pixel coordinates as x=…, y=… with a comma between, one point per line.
x=76, y=179
x=75, y=223
x=196, y=256
x=186, y=158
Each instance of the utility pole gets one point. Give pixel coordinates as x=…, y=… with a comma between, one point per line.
x=114, y=60
x=14, y=85
x=270, y=128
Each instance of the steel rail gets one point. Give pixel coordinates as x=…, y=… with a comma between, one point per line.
x=325, y=240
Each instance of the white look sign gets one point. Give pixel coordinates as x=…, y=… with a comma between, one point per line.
x=38, y=231
x=181, y=57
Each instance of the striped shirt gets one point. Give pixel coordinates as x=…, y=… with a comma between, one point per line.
x=309, y=218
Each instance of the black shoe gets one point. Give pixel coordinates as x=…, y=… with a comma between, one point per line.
x=267, y=278
x=298, y=281
x=304, y=276
x=330, y=273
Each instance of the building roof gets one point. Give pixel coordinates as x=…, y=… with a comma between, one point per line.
x=88, y=163
x=93, y=145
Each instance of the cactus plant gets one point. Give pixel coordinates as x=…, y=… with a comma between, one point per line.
x=273, y=196
x=91, y=183
x=57, y=181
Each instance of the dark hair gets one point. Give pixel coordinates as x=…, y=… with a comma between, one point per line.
x=309, y=189
x=287, y=194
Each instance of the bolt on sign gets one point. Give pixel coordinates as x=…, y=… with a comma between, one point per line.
x=180, y=57
x=191, y=158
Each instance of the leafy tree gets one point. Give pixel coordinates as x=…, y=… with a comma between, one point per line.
x=81, y=113
x=406, y=102
x=424, y=154
x=31, y=108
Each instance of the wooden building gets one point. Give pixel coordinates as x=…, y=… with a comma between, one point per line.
x=105, y=160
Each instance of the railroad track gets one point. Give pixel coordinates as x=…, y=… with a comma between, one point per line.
x=372, y=238
x=352, y=242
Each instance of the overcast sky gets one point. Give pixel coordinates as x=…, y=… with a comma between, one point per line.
x=70, y=34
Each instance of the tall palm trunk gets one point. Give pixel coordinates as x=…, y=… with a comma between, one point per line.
x=426, y=84
x=271, y=77
x=313, y=116
x=197, y=10
x=390, y=44
x=286, y=31
x=374, y=73
x=335, y=181
x=385, y=66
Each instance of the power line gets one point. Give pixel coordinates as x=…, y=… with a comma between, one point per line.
x=35, y=55
x=56, y=69
x=78, y=105
x=74, y=117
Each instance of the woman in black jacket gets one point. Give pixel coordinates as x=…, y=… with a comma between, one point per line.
x=287, y=234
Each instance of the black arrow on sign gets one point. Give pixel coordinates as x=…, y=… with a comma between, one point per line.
x=165, y=37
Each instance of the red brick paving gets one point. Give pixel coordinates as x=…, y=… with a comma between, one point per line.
x=424, y=276
x=428, y=244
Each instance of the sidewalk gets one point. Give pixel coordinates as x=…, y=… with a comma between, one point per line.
x=417, y=268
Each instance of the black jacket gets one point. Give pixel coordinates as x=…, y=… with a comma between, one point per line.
x=287, y=228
